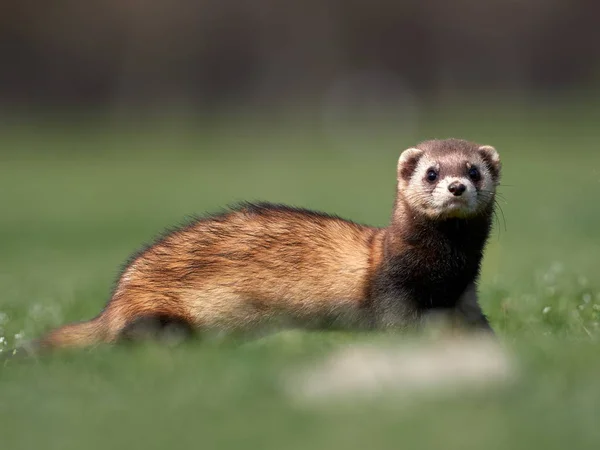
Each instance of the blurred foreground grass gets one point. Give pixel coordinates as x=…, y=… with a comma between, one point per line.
x=77, y=199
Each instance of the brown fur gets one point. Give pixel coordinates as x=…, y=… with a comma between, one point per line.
x=267, y=265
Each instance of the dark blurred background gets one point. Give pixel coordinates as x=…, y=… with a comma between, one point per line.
x=209, y=55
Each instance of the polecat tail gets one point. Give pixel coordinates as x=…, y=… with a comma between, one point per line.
x=81, y=334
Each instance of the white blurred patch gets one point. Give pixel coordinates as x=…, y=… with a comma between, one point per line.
x=431, y=368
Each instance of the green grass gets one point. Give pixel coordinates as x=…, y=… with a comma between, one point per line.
x=77, y=200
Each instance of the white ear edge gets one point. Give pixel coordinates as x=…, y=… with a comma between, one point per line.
x=491, y=153
x=409, y=154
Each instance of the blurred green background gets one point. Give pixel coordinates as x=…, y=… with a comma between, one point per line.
x=118, y=119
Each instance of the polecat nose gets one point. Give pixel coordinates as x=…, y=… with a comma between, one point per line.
x=457, y=188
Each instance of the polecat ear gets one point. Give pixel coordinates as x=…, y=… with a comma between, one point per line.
x=492, y=159
x=408, y=162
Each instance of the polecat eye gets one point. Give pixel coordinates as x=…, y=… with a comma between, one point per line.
x=431, y=175
x=474, y=174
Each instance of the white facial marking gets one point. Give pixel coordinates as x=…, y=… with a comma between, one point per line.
x=487, y=182
x=443, y=199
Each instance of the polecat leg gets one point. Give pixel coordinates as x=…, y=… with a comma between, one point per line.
x=469, y=311
x=161, y=328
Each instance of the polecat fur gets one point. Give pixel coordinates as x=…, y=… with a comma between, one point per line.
x=262, y=265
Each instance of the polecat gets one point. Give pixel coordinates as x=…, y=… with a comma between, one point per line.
x=261, y=265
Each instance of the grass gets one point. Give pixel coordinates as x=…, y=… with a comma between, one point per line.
x=78, y=199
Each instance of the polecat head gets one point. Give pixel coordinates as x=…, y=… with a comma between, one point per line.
x=448, y=178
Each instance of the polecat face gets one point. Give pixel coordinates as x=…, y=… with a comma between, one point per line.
x=448, y=178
